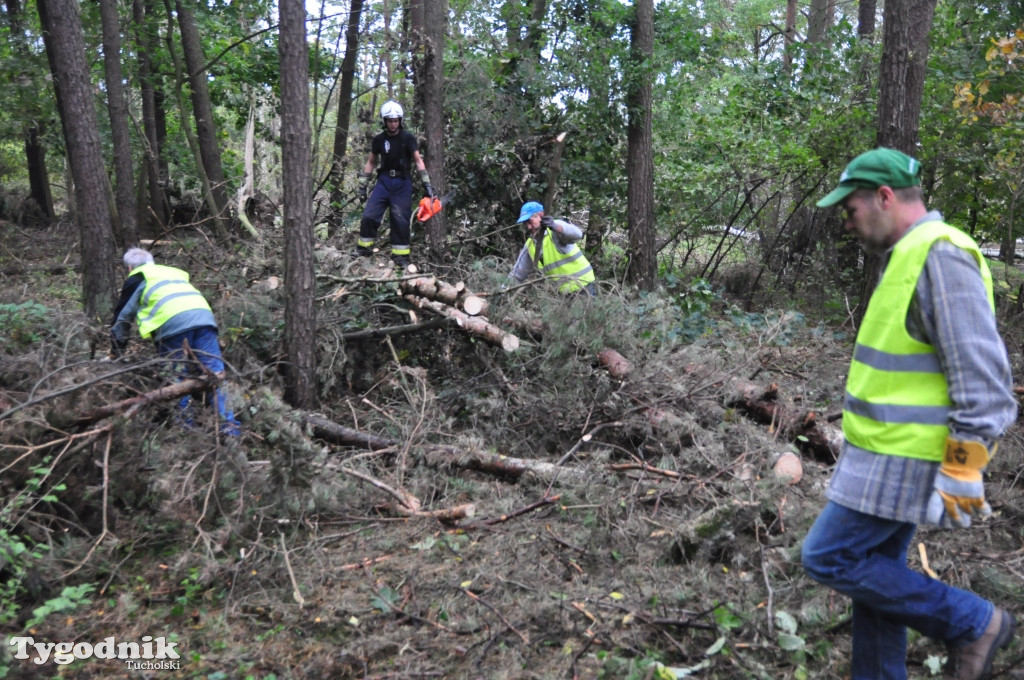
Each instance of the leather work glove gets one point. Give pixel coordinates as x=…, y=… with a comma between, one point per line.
x=364, y=183
x=959, y=489
x=548, y=222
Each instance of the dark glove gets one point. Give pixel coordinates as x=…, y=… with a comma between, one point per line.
x=364, y=183
x=959, y=490
x=117, y=346
x=427, y=186
x=548, y=222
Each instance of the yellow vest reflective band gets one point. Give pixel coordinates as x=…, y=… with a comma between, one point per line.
x=897, y=398
x=572, y=268
x=166, y=292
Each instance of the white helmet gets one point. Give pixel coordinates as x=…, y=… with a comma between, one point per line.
x=391, y=109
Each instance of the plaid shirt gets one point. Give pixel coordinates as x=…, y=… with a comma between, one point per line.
x=951, y=313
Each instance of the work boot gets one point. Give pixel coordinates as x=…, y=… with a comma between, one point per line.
x=973, y=661
x=401, y=261
x=361, y=251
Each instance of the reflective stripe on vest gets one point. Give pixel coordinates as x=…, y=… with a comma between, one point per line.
x=166, y=292
x=572, y=268
x=897, y=398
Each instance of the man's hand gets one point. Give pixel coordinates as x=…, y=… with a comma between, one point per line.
x=364, y=183
x=427, y=186
x=959, y=489
x=548, y=222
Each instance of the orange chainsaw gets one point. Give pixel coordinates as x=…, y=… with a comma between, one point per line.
x=432, y=206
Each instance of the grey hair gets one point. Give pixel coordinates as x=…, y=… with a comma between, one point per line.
x=136, y=257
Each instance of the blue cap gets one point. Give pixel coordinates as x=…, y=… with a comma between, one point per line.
x=529, y=210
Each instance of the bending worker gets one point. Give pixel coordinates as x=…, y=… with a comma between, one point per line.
x=929, y=393
x=170, y=310
x=551, y=249
x=397, y=151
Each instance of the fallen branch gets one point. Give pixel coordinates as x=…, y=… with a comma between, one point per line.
x=132, y=405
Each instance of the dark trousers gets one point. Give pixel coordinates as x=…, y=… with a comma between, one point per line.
x=392, y=194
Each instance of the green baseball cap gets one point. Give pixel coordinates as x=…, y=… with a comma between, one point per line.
x=876, y=168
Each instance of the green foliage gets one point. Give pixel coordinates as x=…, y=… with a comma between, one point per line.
x=20, y=556
x=70, y=599
x=24, y=324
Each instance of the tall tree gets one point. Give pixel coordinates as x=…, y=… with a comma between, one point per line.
x=202, y=108
x=296, y=154
x=35, y=149
x=901, y=80
x=145, y=44
x=905, y=26
x=643, y=265
x=348, y=73
x=117, y=108
x=65, y=50
x=430, y=84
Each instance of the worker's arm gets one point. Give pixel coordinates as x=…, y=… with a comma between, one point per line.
x=125, y=311
x=523, y=267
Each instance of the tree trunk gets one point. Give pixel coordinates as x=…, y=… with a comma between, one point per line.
x=901, y=76
x=300, y=282
x=151, y=145
x=35, y=150
x=435, y=21
x=209, y=149
x=900, y=88
x=348, y=71
x=38, y=177
x=640, y=163
x=65, y=50
x=117, y=108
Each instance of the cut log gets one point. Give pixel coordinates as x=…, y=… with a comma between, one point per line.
x=452, y=295
x=809, y=430
x=474, y=325
x=616, y=364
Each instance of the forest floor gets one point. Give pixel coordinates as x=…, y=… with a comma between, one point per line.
x=637, y=529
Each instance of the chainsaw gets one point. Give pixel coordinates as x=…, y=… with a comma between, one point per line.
x=431, y=206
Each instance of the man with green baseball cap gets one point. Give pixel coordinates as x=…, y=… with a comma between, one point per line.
x=928, y=396
x=875, y=168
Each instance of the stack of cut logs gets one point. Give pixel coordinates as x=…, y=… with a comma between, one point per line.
x=457, y=302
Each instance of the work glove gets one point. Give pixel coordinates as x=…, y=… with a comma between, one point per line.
x=364, y=183
x=117, y=346
x=427, y=186
x=548, y=222
x=959, y=490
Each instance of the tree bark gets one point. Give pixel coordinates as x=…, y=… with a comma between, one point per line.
x=643, y=266
x=35, y=150
x=300, y=282
x=902, y=71
x=202, y=109
x=117, y=109
x=900, y=89
x=151, y=144
x=348, y=70
x=435, y=20
x=65, y=50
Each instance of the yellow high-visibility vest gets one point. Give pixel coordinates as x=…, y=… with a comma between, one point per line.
x=166, y=292
x=897, y=398
x=571, y=269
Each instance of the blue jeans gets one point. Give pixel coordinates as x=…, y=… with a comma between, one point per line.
x=392, y=194
x=204, y=345
x=865, y=558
